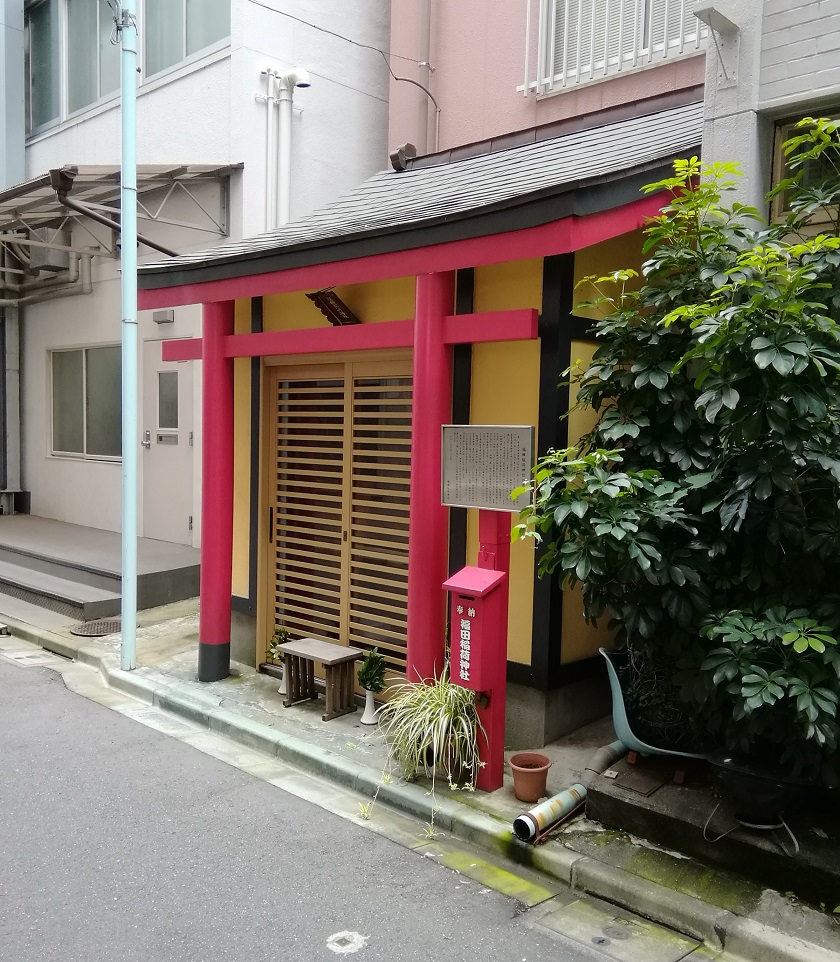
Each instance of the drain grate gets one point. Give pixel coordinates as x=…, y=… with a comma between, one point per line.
x=97, y=628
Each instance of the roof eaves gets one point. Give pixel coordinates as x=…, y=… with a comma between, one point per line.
x=580, y=199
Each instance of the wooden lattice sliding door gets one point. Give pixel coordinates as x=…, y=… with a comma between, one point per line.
x=338, y=502
x=379, y=486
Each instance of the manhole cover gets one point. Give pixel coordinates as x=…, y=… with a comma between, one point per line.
x=97, y=628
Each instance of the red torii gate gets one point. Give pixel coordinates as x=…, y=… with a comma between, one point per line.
x=431, y=334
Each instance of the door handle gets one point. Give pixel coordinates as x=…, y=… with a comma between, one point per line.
x=147, y=439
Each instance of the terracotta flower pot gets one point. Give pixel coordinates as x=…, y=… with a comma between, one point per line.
x=530, y=770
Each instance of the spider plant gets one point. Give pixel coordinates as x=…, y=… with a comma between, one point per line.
x=433, y=727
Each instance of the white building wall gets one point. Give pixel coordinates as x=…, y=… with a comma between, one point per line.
x=800, y=59
x=205, y=112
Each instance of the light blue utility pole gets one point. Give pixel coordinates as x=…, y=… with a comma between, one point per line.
x=126, y=18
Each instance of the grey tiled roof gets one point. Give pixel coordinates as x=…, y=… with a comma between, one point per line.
x=391, y=202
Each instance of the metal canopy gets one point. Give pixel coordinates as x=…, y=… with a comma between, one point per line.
x=33, y=206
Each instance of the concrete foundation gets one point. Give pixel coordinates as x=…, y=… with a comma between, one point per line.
x=243, y=631
x=535, y=718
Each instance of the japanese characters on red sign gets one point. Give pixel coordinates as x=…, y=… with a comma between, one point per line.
x=465, y=619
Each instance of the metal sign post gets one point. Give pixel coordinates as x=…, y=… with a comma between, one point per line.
x=126, y=21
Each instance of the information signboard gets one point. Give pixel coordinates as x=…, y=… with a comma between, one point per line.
x=483, y=463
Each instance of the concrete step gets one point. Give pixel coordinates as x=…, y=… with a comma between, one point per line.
x=78, y=601
x=80, y=572
x=27, y=613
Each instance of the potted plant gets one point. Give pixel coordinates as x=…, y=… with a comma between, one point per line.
x=701, y=513
x=433, y=727
x=371, y=677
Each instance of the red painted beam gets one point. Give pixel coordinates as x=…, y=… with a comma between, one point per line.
x=182, y=349
x=320, y=340
x=558, y=237
x=518, y=325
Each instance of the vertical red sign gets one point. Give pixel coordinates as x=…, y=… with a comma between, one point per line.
x=466, y=661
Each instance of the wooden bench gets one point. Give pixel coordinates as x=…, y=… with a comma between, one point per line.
x=299, y=659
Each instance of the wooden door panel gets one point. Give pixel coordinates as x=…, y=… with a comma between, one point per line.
x=340, y=469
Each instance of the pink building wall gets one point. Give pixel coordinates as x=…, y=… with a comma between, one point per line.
x=477, y=53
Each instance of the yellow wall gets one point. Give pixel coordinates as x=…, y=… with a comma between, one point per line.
x=389, y=300
x=620, y=252
x=241, y=455
x=581, y=420
x=581, y=640
x=505, y=390
x=504, y=287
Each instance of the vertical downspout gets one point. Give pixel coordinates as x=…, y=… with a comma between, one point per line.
x=11, y=406
x=12, y=171
x=6, y=502
x=270, y=150
x=286, y=84
x=284, y=154
x=424, y=35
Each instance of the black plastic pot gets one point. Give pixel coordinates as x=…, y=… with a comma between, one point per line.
x=757, y=796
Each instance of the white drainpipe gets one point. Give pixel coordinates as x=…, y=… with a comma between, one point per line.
x=270, y=146
x=424, y=76
x=286, y=84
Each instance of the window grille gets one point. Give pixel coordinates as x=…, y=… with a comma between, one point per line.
x=582, y=41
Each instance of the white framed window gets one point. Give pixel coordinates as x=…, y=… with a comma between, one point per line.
x=87, y=402
x=93, y=61
x=42, y=63
x=175, y=30
x=582, y=41
x=71, y=63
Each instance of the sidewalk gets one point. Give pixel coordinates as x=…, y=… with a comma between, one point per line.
x=725, y=912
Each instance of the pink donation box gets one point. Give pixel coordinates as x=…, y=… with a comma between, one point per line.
x=477, y=637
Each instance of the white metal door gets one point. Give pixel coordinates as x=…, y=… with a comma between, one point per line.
x=167, y=439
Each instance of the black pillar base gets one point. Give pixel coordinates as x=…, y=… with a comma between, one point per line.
x=213, y=661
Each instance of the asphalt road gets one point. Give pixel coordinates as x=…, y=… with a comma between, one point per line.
x=119, y=843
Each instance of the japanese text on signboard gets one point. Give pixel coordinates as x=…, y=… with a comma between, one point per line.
x=483, y=463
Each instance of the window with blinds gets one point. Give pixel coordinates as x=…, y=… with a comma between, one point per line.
x=340, y=472
x=586, y=40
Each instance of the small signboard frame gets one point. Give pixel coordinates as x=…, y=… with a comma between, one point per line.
x=482, y=463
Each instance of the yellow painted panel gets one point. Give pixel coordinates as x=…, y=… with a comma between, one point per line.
x=581, y=420
x=581, y=640
x=288, y=312
x=506, y=287
x=242, y=316
x=505, y=390
x=241, y=471
x=611, y=255
x=388, y=300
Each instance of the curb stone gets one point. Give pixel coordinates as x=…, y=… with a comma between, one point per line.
x=750, y=940
x=707, y=923
x=741, y=937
